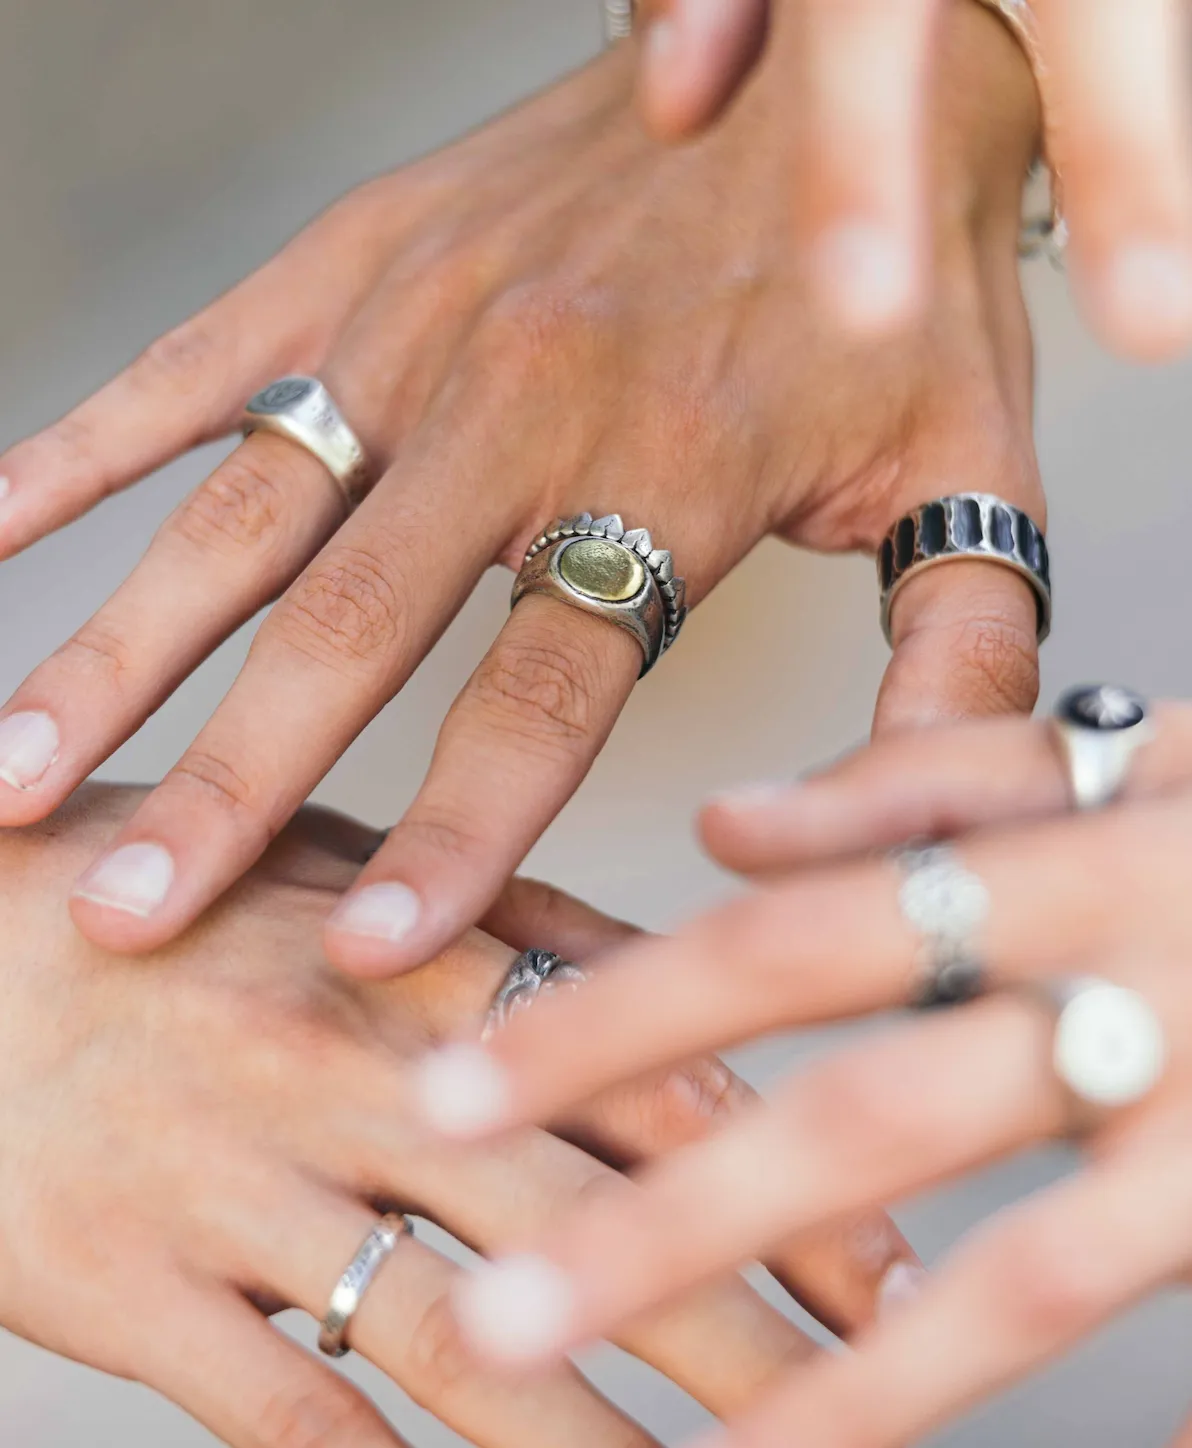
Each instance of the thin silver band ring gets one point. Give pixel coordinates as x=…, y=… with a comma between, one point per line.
x=352, y=1287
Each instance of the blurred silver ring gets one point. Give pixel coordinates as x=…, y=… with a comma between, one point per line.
x=350, y=1290
x=301, y=409
x=1098, y=729
x=618, y=19
x=534, y=973
x=945, y=905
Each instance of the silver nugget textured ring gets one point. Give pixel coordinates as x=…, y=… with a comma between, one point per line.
x=534, y=973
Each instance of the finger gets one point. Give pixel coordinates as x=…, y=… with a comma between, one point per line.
x=404, y=1326
x=824, y=945
x=695, y=54
x=220, y=1362
x=719, y=1344
x=1118, y=135
x=189, y=387
x=1027, y=1287
x=925, y=786
x=514, y=748
x=872, y=1124
x=228, y=550
x=336, y=648
x=861, y=69
x=965, y=644
x=841, y=1272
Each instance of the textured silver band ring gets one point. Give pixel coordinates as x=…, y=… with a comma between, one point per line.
x=1109, y=1048
x=1098, y=729
x=599, y=567
x=350, y=1290
x=301, y=409
x=946, y=905
x=532, y=974
x=960, y=527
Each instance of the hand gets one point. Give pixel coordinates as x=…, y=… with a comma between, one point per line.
x=188, y=1145
x=1116, y=99
x=1089, y=894
x=557, y=314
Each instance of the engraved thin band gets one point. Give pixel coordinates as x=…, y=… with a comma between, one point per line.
x=352, y=1287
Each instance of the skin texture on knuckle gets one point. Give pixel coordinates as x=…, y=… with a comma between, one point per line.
x=438, y=1369
x=1044, y=1281
x=346, y=611
x=242, y=507
x=540, y=690
x=218, y=780
x=323, y=1413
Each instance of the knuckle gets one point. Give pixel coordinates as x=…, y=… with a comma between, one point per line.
x=328, y=1414
x=1046, y=1281
x=243, y=504
x=685, y=1104
x=218, y=779
x=346, y=608
x=997, y=666
x=541, y=690
x=178, y=359
x=438, y=831
x=531, y=326
x=98, y=650
x=439, y=1363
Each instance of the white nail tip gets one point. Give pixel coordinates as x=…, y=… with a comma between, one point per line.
x=135, y=879
x=868, y=271
x=516, y=1310
x=748, y=797
x=462, y=1091
x=901, y=1284
x=5, y=487
x=1153, y=281
x=28, y=747
x=386, y=911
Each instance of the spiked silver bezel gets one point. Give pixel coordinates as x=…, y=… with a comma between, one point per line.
x=637, y=540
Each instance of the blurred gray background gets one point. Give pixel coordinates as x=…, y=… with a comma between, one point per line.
x=150, y=154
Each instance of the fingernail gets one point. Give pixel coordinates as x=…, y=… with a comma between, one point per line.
x=5, y=487
x=134, y=878
x=28, y=746
x=660, y=40
x=901, y=1284
x=761, y=795
x=516, y=1310
x=1151, y=284
x=461, y=1091
x=867, y=272
x=388, y=911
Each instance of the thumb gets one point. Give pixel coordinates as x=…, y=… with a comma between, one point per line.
x=695, y=54
x=965, y=646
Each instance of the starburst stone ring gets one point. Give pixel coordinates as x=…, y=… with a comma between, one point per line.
x=1098, y=729
x=946, y=905
x=598, y=566
x=302, y=410
x=534, y=973
x=965, y=527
